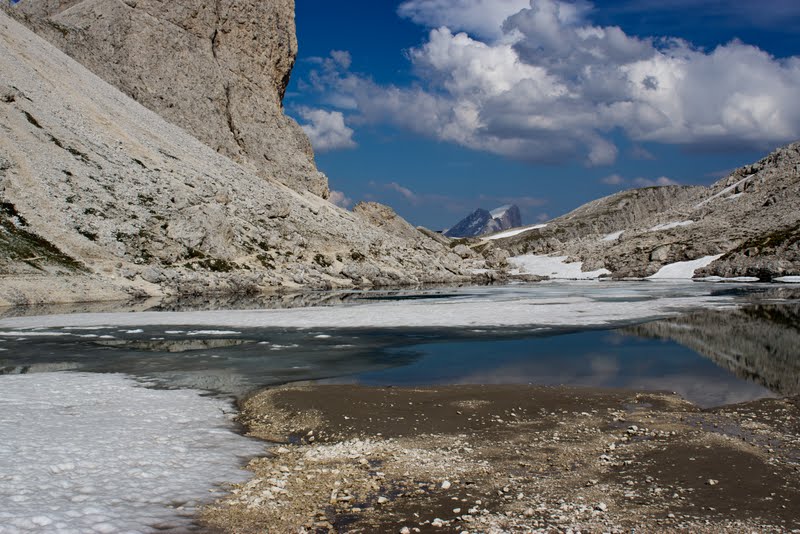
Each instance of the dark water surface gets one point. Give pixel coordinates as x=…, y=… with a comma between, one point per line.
x=711, y=357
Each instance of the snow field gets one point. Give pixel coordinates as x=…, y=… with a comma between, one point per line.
x=683, y=270
x=554, y=267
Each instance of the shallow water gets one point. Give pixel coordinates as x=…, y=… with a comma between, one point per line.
x=572, y=339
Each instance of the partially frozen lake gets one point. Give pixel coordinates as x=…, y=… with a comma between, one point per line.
x=73, y=386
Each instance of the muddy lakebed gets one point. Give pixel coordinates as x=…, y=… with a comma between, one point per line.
x=593, y=406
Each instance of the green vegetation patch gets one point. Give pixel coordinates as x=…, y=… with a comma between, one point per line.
x=217, y=265
x=17, y=244
x=322, y=261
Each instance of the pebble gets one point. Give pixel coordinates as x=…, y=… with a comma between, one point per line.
x=382, y=500
x=446, y=484
x=405, y=530
x=602, y=507
x=712, y=482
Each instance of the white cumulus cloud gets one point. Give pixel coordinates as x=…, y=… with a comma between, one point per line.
x=326, y=129
x=338, y=198
x=537, y=80
x=483, y=18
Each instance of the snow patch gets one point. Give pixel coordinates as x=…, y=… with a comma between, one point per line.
x=99, y=453
x=788, y=279
x=554, y=267
x=513, y=232
x=614, y=237
x=499, y=212
x=724, y=191
x=670, y=226
x=683, y=270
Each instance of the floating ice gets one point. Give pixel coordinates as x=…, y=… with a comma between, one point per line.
x=213, y=333
x=729, y=279
x=99, y=453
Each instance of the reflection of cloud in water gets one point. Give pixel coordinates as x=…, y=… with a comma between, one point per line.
x=704, y=391
x=604, y=365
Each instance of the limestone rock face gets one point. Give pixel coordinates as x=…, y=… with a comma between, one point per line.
x=750, y=217
x=96, y=191
x=218, y=69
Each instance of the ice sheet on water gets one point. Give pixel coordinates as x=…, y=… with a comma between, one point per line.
x=548, y=304
x=99, y=453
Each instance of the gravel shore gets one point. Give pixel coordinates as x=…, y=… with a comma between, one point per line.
x=513, y=459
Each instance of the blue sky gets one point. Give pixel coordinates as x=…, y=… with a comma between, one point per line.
x=438, y=107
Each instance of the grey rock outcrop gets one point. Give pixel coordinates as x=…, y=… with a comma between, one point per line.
x=103, y=198
x=750, y=217
x=217, y=69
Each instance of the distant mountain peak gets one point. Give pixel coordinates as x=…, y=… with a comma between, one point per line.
x=481, y=222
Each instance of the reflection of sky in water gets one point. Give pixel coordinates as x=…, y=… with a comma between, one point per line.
x=221, y=354
x=238, y=362
x=593, y=359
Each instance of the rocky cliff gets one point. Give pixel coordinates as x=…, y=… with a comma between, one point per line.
x=103, y=198
x=217, y=69
x=750, y=217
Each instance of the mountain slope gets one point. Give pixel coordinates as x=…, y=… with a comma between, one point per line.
x=749, y=217
x=114, y=196
x=481, y=222
x=217, y=69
